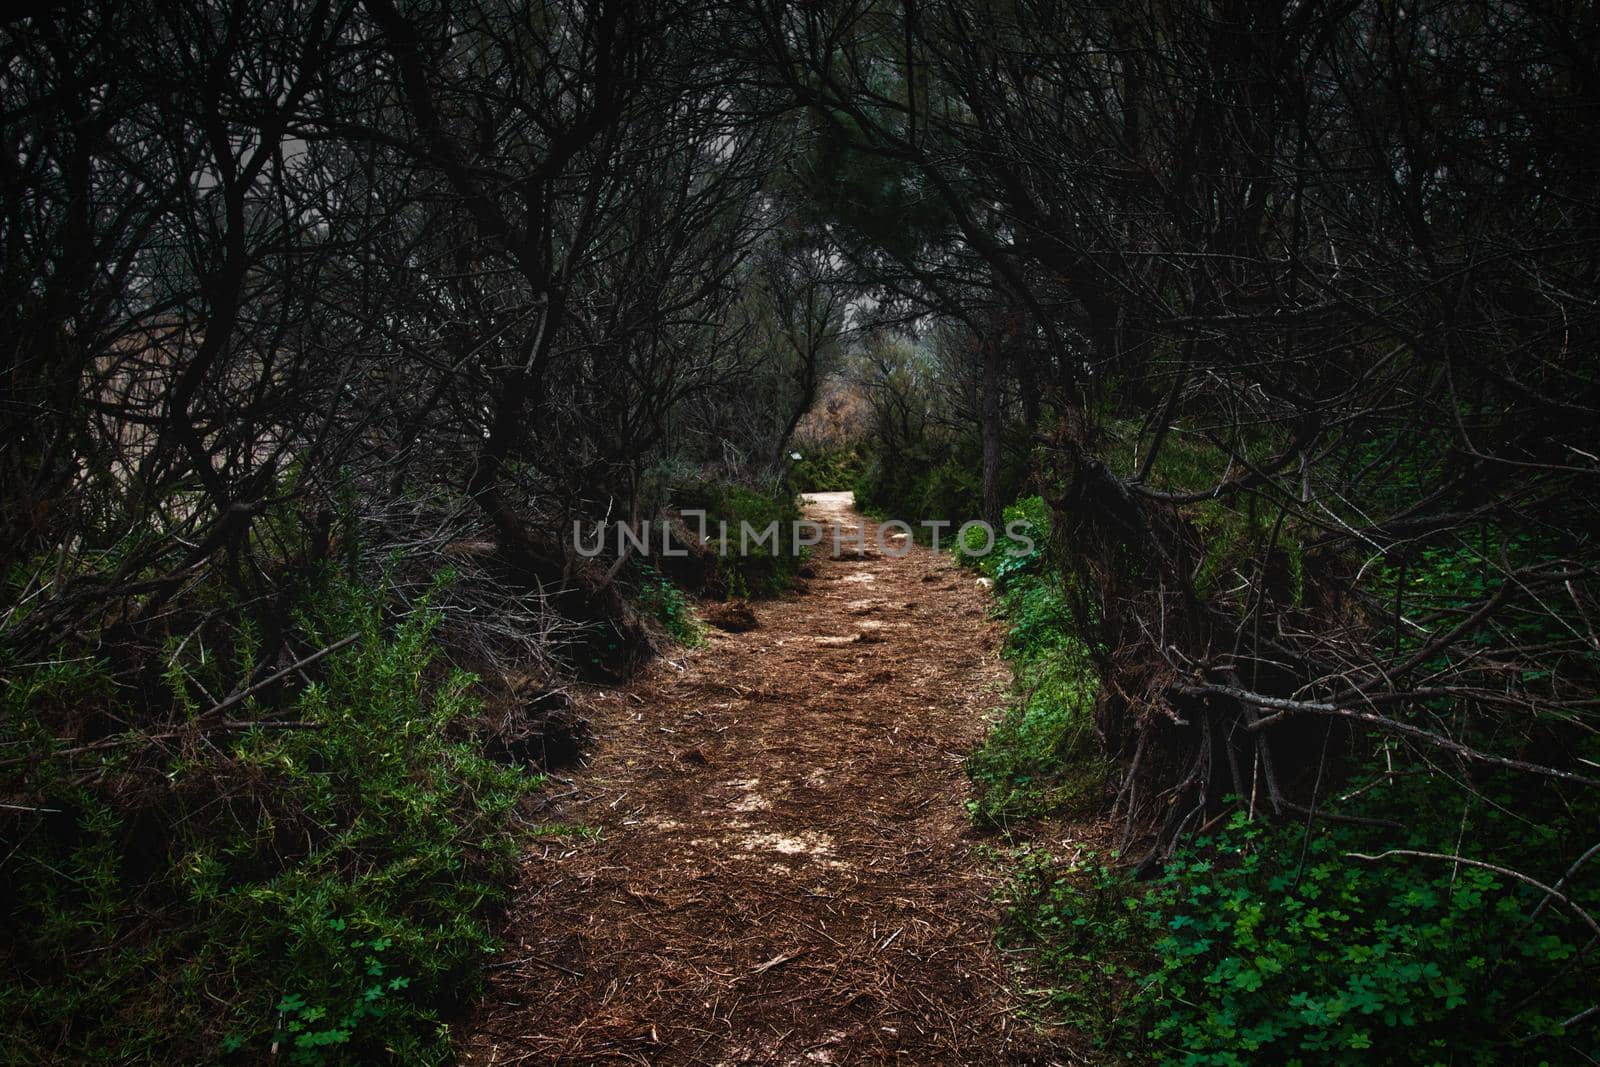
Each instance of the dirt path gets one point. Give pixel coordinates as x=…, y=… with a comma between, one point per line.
x=785, y=872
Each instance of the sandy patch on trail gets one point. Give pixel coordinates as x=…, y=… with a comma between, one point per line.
x=805, y=843
x=785, y=873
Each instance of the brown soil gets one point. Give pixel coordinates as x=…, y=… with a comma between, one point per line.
x=785, y=874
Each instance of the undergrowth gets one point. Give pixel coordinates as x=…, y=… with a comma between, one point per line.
x=1268, y=938
x=931, y=480
x=321, y=884
x=827, y=469
x=757, y=568
x=1040, y=755
x=669, y=606
x=1268, y=941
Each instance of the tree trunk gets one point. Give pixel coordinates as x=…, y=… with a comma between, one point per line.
x=989, y=392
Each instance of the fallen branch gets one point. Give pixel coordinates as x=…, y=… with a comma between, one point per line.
x=1551, y=892
x=255, y=687
x=1288, y=707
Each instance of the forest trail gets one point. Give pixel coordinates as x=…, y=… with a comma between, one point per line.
x=785, y=873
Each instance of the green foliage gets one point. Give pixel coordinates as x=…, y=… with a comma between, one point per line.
x=826, y=470
x=1090, y=932
x=1462, y=573
x=311, y=1030
x=1040, y=756
x=1263, y=941
x=1015, y=557
x=866, y=196
x=1240, y=533
x=1334, y=960
x=760, y=570
x=669, y=606
x=1242, y=536
x=1013, y=562
x=1186, y=462
x=920, y=485
x=325, y=884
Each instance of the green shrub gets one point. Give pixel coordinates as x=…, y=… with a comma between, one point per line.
x=826, y=470
x=326, y=884
x=1010, y=557
x=1261, y=941
x=1090, y=934
x=1234, y=534
x=761, y=571
x=1331, y=961
x=669, y=606
x=1471, y=567
x=1041, y=755
x=1016, y=558
x=933, y=481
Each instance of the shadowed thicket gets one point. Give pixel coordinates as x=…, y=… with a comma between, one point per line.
x=301, y=297
x=1285, y=311
x=1290, y=311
